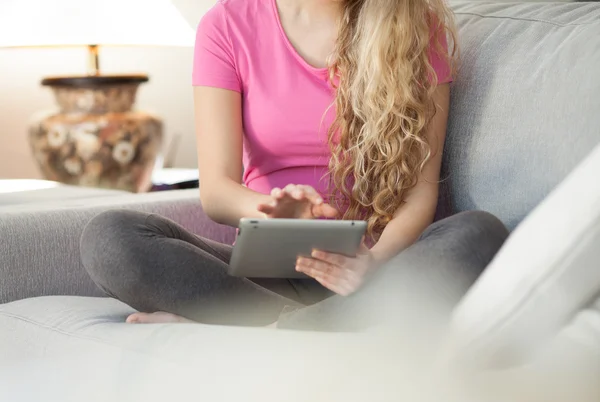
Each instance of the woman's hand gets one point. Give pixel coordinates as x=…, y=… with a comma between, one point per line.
x=297, y=202
x=340, y=274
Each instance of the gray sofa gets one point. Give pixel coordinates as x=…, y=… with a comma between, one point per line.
x=525, y=112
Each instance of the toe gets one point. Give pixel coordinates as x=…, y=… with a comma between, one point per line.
x=159, y=317
x=134, y=318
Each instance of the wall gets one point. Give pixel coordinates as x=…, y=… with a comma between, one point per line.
x=168, y=94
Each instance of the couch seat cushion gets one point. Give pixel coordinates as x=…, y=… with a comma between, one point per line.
x=77, y=348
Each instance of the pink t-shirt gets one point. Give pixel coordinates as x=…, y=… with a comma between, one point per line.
x=241, y=46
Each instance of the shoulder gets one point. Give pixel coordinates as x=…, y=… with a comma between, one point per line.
x=237, y=10
x=234, y=17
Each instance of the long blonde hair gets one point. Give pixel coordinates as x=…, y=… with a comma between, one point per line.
x=384, y=81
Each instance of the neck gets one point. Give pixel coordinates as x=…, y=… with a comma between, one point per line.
x=315, y=10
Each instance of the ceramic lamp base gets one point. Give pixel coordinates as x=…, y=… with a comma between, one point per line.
x=96, y=139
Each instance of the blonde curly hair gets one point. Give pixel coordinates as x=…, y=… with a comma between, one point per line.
x=384, y=81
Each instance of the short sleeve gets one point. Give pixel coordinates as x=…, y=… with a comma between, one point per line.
x=439, y=61
x=214, y=61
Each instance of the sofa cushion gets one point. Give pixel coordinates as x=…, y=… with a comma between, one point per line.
x=544, y=275
x=80, y=349
x=524, y=106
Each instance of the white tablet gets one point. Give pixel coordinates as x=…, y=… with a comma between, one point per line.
x=268, y=248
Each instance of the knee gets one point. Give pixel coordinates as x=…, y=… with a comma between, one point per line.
x=478, y=220
x=474, y=227
x=108, y=226
x=106, y=235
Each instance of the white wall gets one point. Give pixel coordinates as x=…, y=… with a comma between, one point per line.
x=168, y=94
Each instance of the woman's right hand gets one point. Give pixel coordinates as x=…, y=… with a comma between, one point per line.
x=297, y=202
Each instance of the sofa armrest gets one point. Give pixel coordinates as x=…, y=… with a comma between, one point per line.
x=39, y=243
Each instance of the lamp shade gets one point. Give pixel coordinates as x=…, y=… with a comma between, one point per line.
x=39, y=23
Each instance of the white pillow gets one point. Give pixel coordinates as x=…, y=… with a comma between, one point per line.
x=547, y=271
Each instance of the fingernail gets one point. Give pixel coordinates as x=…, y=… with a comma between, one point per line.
x=316, y=253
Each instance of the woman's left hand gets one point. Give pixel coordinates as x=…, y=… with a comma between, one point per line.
x=340, y=274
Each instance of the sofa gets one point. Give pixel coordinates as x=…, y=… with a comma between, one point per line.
x=525, y=113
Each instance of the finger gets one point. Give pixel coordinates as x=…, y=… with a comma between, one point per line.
x=363, y=249
x=348, y=269
x=330, y=211
x=336, y=279
x=332, y=283
x=277, y=193
x=312, y=194
x=330, y=258
x=349, y=285
x=313, y=267
x=299, y=194
x=335, y=287
x=294, y=191
x=289, y=188
x=324, y=211
x=266, y=208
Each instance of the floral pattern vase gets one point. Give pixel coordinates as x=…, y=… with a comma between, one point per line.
x=97, y=139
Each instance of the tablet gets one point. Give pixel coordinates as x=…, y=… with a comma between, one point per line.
x=268, y=248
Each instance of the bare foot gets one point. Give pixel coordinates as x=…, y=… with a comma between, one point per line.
x=156, y=318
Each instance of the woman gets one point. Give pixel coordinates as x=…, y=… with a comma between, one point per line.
x=325, y=108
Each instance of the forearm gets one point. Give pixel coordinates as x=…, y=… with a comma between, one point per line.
x=412, y=218
x=404, y=229
x=227, y=202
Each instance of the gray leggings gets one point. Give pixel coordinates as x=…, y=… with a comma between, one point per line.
x=153, y=264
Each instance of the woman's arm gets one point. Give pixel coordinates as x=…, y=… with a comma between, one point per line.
x=345, y=275
x=224, y=199
x=218, y=115
x=418, y=211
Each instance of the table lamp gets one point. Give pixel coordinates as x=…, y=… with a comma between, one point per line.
x=96, y=138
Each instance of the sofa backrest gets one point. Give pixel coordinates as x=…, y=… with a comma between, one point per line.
x=525, y=106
